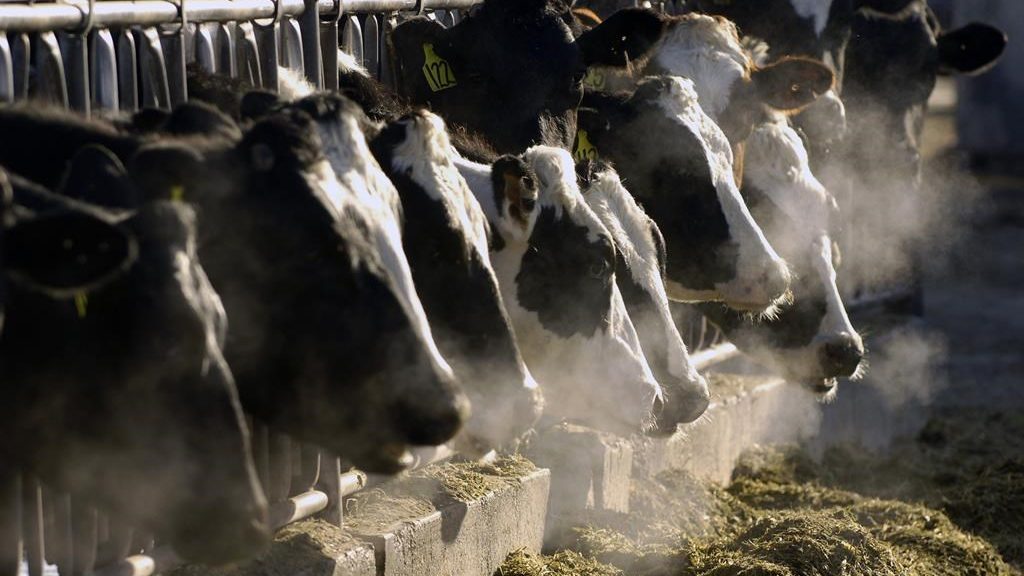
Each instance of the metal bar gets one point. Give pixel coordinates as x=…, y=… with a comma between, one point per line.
x=160, y=560
x=704, y=359
x=10, y=520
x=51, y=84
x=173, y=45
x=33, y=508
x=306, y=467
x=205, y=51
x=248, y=54
x=352, y=38
x=63, y=537
x=280, y=468
x=118, y=545
x=297, y=508
x=84, y=526
x=155, y=89
x=76, y=69
x=291, y=39
x=329, y=483
x=6, y=73
x=371, y=45
x=329, y=51
x=71, y=15
x=227, y=59
x=21, y=54
x=127, y=71
x=103, y=65
x=313, y=60
x=268, y=51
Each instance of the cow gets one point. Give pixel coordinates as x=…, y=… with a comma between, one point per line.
x=511, y=71
x=811, y=341
x=438, y=235
x=446, y=239
x=640, y=277
x=326, y=342
x=118, y=389
x=556, y=265
x=715, y=250
x=892, y=62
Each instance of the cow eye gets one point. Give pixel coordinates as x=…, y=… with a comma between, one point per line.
x=528, y=183
x=598, y=270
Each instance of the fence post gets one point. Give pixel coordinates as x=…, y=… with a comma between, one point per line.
x=313, y=62
x=6, y=70
x=33, y=507
x=10, y=521
x=330, y=484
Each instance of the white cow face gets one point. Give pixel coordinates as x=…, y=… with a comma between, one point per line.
x=640, y=249
x=812, y=341
x=558, y=279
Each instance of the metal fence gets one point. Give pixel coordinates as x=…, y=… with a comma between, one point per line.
x=104, y=56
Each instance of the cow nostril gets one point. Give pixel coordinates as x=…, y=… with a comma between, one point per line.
x=528, y=204
x=842, y=356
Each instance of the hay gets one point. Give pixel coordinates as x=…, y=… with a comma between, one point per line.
x=565, y=563
x=469, y=480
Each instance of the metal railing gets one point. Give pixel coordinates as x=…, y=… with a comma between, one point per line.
x=122, y=55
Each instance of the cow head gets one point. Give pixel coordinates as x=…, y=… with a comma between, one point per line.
x=640, y=253
x=328, y=341
x=891, y=67
x=512, y=71
x=812, y=340
x=108, y=312
x=715, y=249
x=558, y=279
x=445, y=234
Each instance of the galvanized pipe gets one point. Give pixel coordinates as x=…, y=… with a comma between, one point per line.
x=73, y=15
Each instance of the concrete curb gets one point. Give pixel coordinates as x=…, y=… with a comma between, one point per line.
x=467, y=538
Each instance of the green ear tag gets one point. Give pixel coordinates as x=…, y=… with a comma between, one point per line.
x=584, y=149
x=436, y=70
x=82, y=304
x=177, y=193
x=594, y=79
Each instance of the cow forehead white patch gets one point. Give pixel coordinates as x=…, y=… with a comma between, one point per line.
x=351, y=176
x=558, y=189
x=707, y=51
x=817, y=10
x=777, y=164
x=427, y=156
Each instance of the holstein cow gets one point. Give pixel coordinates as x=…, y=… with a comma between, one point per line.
x=511, y=71
x=640, y=276
x=326, y=341
x=438, y=233
x=679, y=166
x=118, y=390
x=892, y=63
x=810, y=341
x=556, y=266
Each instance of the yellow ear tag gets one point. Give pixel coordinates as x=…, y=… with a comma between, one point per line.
x=594, y=79
x=436, y=70
x=177, y=193
x=82, y=304
x=584, y=149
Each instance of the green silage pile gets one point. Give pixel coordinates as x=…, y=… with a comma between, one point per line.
x=950, y=502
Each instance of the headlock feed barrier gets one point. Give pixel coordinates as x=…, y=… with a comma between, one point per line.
x=100, y=57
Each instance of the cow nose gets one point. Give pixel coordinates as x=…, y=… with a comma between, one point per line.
x=433, y=418
x=841, y=355
x=681, y=405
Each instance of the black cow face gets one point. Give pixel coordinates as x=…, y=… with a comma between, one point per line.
x=513, y=70
x=891, y=67
x=321, y=343
x=445, y=235
x=715, y=250
x=106, y=330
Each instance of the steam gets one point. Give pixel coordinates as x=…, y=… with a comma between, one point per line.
x=907, y=368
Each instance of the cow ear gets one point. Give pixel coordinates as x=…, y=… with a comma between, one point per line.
x=416, y=41
x=792, y=84
x=625, y=36
x=66, y=253
x=165, y=172
x=972, y=49
x=95, y=175
x=884, y=6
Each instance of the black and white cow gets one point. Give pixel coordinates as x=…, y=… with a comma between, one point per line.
x=438, y=233
x=678, y=164
x=892, y=62
x=446, y=238
x=326, y=340
x=109, y=326
x=556, y=267
x=511, y=71
x=640, y=276
x=810, y=341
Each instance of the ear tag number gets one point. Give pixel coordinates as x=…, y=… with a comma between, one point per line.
x=82, y=304
x=594, y=79
x=584, y=149
x=177, y=193
x=436, y=70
